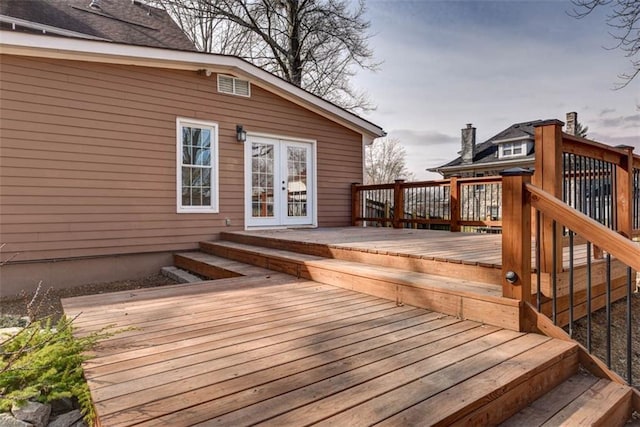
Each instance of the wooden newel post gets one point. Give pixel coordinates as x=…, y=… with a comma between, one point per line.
x=454, y=204
x=355, y=204
x=398, y=203
x=549, y=177
x=624, y=193
x=516, y=235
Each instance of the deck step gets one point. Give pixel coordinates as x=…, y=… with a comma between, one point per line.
x=580, y=400
x=462, y=298
x=463, y=262
x=214, y=267
x=475, y=390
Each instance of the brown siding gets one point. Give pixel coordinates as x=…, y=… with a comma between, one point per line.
x=87, y=157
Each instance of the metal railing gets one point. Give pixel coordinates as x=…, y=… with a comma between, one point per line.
x=585, y=262
x=455, y=204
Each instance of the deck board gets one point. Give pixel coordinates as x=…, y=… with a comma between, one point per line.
x=457, y=248
x=269, y=348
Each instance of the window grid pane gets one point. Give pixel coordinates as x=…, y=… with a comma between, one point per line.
x=262, y=180
x=196, y=167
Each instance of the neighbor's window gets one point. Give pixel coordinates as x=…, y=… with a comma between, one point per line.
x=197, y=164
x=512, y=149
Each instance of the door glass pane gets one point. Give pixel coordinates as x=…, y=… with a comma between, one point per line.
x=296, y=181
x=262, y=180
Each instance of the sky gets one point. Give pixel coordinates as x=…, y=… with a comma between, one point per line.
x=492, y=64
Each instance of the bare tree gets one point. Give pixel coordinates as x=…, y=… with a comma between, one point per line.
x=624, y=21
x=385, y=161
x=317, y=45
x=581, y=130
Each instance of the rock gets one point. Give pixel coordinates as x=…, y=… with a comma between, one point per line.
x=7, y=420
x=61, y=406
x=32, y=412
x=70, y=419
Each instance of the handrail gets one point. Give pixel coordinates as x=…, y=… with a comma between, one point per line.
x=617, y=245
x=453, y=203
x=566, y=295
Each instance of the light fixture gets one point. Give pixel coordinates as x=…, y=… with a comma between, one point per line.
x=241, y=134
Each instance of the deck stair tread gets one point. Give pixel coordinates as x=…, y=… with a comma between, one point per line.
x=454, y=296
x=581, y=400
x=405, y=248
x=215, y=267
x=390, y=274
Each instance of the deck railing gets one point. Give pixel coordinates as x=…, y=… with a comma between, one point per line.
x=455, y=204
x=584, y=256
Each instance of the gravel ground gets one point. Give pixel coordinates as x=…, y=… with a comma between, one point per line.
x=618, y=336
x=48, y=301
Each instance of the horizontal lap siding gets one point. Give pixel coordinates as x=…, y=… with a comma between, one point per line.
x=87, y=157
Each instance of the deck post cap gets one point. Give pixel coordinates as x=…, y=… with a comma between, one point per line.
x=549, y=122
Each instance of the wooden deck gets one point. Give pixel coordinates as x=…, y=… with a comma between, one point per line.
x=284, y=351
x=474, y=249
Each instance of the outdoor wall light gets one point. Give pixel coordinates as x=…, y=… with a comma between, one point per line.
x=241, y=134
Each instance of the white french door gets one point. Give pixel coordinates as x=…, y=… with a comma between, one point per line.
x=279, y=182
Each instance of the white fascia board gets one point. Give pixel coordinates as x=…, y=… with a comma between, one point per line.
x=15, y=43
x=515, y=139
x=474, y=166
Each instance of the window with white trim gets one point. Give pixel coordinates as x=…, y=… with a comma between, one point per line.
x=513, y=149
x=197, y=166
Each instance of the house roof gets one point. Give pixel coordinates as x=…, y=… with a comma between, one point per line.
x=121, y=21
x=487, y=151
x=36, y=45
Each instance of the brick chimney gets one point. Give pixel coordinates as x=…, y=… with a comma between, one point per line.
x=468, y=142
x=572, y=123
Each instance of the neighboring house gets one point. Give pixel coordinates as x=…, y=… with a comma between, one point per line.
x=512, y=147
x=113, y=155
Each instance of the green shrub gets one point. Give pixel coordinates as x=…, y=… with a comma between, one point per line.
x=44, y=363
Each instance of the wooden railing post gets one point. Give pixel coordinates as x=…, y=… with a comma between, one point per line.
x=454, y=203
x=548, y=176
x=355, y=204
x=516, y=235
x=624, y=193
x=398, y=203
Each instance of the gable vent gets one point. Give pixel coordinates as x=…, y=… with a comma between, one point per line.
x=233, y=86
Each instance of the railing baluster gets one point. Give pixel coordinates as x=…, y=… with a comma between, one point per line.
x=629, y=326
x=571, y=283
x=554, y=275
x=608, y=309
x=538, y=275
x=589, y=297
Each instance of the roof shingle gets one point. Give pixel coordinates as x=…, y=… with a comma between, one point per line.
x=120, y=21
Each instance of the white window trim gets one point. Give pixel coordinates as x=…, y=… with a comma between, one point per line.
x=234, y=92
x=523, y=147
x=214, y=207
